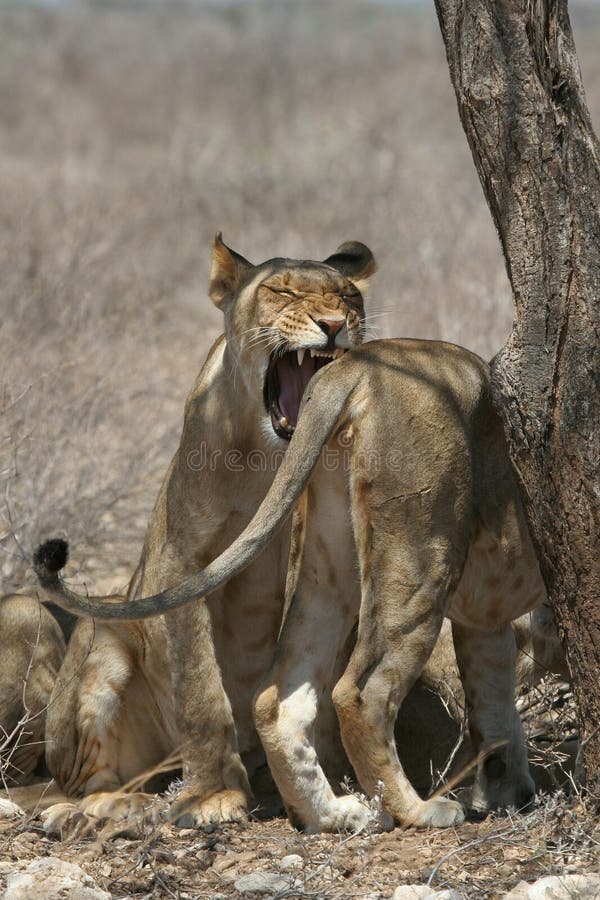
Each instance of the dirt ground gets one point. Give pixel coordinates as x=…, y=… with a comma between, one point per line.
x=478, y=859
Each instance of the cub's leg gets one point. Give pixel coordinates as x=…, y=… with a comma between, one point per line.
x=486, y=660
x=398, y=628
x=103, y=725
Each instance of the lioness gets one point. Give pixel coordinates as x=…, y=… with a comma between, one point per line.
x=439, y=530
x=127, y=697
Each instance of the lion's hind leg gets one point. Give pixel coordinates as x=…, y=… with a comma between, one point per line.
x=398, y=628
x=103, y=728
x=486, y=660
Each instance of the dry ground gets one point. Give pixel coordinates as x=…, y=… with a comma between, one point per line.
x=130, y=133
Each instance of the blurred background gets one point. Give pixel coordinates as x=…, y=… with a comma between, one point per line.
x=129, y=133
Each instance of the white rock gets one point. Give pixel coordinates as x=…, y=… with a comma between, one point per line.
x=52, y=879
x=291, y=861
x=10, y=810
x=558, y=887
x=263, y=883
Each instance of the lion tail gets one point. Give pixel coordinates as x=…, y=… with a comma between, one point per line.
x=322, y=406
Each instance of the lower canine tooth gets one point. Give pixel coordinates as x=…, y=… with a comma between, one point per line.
x=300, y=356
x=283, y=422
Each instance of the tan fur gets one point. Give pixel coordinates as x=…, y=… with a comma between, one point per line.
x=420, y=462
x=115, y=710
x=33, y=648
x=439, y=530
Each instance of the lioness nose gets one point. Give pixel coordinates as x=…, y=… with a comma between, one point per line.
x=330, y=326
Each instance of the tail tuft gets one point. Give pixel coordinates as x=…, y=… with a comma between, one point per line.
x=50, y=557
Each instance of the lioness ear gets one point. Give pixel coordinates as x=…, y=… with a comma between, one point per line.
x=226, y=273
x=355, y=261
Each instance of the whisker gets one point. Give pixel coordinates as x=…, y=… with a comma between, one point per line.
x=370, y=332
x=375, y=316
x=263, y=339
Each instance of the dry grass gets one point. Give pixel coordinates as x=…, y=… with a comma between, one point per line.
x=130, y=134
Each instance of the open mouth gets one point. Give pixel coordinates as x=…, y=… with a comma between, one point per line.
x=287, y=377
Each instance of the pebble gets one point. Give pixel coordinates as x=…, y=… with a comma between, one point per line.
x=291, y=861
x=558, y=887
x=52, y=879
x=10, y=810
x=262, y=883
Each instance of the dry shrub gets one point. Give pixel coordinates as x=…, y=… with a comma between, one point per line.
x=130, y=134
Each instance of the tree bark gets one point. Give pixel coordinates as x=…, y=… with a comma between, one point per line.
x=520, y=97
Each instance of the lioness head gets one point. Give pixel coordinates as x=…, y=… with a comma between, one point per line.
x=286, y=318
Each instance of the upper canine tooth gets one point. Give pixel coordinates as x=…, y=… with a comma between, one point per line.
x=300, y=356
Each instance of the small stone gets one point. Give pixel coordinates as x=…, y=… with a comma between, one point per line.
x=10, y=810
x=262, y=883
x=558, y=887
x=291, y=861
x=52, y=879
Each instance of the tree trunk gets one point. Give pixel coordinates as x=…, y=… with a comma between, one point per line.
x=520, y=98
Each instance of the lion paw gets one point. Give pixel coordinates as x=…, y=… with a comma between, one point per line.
x=190, y=811
x=438, y=813
x=514, y=793
x=74, y=821
x=66, y=821
x=349, y=814
x=119, y=807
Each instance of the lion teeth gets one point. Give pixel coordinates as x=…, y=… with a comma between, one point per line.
x=283, y=422
x=328, y=354
x=300, y=356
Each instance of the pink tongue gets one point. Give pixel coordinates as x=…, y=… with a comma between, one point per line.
x=292, y=382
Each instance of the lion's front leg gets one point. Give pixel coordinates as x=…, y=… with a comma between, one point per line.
x=216, y=787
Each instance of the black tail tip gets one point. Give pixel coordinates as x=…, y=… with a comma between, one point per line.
x=51, y=556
